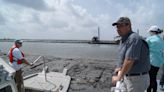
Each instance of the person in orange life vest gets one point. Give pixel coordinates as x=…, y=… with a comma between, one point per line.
x=16, y=58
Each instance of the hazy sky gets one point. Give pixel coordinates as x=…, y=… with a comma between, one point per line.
x=75, y=19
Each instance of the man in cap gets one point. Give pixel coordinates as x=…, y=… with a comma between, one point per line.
x=134, y=64
x=16, y=58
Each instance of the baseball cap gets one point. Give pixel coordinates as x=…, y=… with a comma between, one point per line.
x=19, y=41
x=154, y=29
x=122, y=20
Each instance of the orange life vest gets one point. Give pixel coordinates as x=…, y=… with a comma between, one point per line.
x=11, y=57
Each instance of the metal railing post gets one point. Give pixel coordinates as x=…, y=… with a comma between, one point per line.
x=44, y=67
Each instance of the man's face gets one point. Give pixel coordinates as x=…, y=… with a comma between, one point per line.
x=122, y=29
x=19, y=45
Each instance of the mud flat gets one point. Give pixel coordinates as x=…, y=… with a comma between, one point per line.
x=87, y=75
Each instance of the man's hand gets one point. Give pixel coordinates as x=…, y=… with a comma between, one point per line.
x=116, y=78
x=117, y=70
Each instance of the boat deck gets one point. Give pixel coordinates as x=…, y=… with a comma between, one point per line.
x=54, y=82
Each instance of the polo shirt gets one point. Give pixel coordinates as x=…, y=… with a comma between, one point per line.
x=133, y=47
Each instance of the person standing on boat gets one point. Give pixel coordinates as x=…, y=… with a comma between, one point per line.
x=134, y=61
x=156, y=47
x=16, y=58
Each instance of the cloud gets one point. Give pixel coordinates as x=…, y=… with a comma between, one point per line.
x=143, y=14
x=2, y=20
x=65, y=20
x=75, y=19
x=34, y=4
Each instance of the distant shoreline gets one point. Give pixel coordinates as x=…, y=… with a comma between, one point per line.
x=62, y=41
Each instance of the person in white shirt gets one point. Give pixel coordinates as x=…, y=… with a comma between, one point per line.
x=16, y=58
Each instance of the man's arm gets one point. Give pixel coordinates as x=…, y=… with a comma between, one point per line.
x=128, y=63
x=26, y=62
x=18, y=55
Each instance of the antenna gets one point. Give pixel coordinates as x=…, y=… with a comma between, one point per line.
x=98, y=32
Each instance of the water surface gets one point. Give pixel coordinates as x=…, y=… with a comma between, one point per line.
x=67, y=50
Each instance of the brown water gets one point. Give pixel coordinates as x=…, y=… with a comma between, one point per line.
x=67, y=50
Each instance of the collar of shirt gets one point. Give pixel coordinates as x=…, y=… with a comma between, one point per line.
x=124, y=38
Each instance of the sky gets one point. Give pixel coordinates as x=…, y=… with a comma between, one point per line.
x=75, y=19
